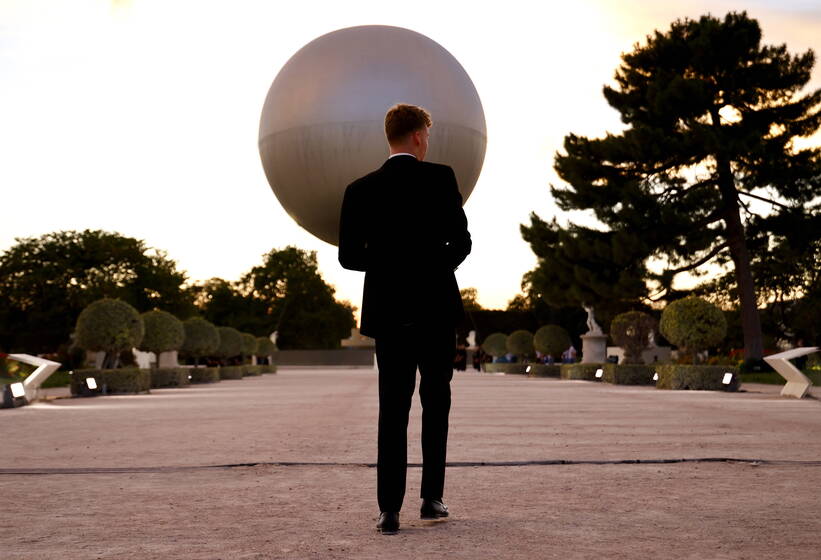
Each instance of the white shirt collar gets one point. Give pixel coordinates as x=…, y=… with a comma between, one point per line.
x=401, y=154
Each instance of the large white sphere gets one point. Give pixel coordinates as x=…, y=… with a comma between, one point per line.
x=322, y=124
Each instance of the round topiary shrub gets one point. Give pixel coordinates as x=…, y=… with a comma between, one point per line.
x=693, y=324
x=163, y=333
x=551, y=339
x=495, y=344
x=201, y=338
x=265, y=347
x=230, y=342
x=520, y=343
x=632, y=332
x=111, y=326
x=249, y=345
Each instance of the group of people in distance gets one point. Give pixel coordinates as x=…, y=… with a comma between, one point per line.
x=569, y=356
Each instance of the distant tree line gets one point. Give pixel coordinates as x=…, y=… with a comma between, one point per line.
x=46, y=281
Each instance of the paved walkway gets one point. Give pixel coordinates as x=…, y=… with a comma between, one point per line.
x=280, y=466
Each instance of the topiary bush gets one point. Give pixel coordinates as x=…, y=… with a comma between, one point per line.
x=204, y=374
x=113, y=381
x=629, y=374
x=586, y=372
x=231, y=372
x=693, y=324
x=230, y=342
x=169, y=377
x=265, y=348
x=495, y=345
x=111, y=326
x=700, y=377
x=249, y=345
x=520, y=343
x=163, y=333
x=632, y=332
x=268, y=368
x=201, y=338
x=552, y=340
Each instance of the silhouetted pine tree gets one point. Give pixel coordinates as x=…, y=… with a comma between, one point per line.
x=711, y=117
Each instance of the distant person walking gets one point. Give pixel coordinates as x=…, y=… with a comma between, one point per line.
x=403, y=225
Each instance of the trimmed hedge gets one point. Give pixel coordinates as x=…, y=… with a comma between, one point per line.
x=232, y=372
x=125, y=381
x=629, y=374
x=204, y=374
x=252, y=370
x=57, y=379
x=702, y=378
x=586, y=372
x=268, y=368
x=545, y=370
x=517, y=368
x=169, y=377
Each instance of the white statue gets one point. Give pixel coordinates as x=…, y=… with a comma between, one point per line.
x=592, y=326
x=471, y=339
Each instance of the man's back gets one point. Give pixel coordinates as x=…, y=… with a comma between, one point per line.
x=403, y=224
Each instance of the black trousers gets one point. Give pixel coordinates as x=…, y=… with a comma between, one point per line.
x=398, y=354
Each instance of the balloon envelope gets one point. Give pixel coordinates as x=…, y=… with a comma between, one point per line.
x=322, y=123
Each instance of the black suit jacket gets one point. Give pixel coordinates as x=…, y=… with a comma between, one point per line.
x=403, y=225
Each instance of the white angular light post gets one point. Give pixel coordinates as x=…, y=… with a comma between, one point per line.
x=797, y=383
x=31, y=384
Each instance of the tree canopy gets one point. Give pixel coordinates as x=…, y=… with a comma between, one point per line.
x=163, y=333
x=299, y=303
x=201, y=338
x=110, y=326
x=46, y=281
x=704, y=171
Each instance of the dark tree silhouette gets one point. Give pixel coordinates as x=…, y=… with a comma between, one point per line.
x=703, y=172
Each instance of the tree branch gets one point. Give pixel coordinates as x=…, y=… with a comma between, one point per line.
x=761, y=198
x=716, y=250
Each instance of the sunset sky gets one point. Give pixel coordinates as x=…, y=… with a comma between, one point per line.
x=142, y=116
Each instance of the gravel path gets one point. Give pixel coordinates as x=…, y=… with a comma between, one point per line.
x=281, y=466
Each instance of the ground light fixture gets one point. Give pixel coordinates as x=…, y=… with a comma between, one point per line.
x=91, y=383
x=656, y=376
x=13, y=395
x=728, y=378
x=17, y=390
x=599, y=373
x=527, y=369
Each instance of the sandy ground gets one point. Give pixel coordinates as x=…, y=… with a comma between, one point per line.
x=281, y=466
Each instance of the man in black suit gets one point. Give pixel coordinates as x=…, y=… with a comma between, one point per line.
x=403, y=225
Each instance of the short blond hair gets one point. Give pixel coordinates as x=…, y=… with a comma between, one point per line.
x=402, y=119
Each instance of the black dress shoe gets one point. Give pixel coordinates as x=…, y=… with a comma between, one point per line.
x=388, y=523
x=433, y=509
